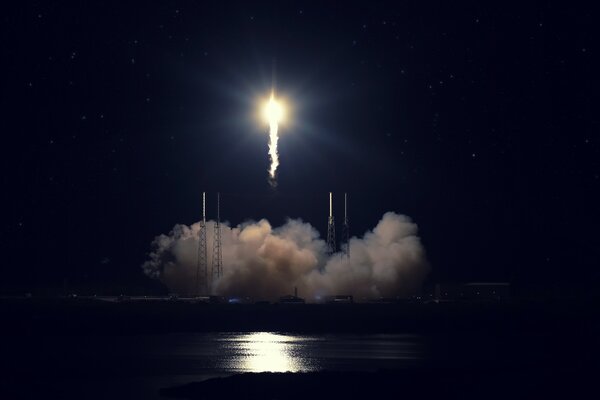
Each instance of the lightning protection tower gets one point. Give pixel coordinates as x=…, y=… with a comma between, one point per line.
x=330, y=228
x=202, y=268
x=217, y=259
x=346, y=230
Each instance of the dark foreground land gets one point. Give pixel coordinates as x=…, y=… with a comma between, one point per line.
x=459, y=383
x=475, y=350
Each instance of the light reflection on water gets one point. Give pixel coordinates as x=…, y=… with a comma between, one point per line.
x=266, y=352
x=277, y=352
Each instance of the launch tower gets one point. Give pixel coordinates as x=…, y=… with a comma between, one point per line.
x=330, y=228
x=217, y=259
x=346, y=230
x=202, y=268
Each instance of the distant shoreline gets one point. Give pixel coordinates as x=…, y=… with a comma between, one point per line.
x=47, y=316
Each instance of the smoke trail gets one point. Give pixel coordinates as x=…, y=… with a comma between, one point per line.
x=263, y=262
x=273, y=114
x=273, y=138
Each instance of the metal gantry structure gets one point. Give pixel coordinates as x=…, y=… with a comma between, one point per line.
x=217, y=258
x=346, y=230
x=202, y=267
x=330, y=228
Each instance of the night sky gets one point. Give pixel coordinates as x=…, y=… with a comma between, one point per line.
x=480, y=122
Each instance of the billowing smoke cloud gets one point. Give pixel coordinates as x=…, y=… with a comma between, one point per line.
x=263, y=262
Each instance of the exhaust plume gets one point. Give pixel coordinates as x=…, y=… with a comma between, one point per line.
x=263, y=262
x=273, y=114
x=273, y=138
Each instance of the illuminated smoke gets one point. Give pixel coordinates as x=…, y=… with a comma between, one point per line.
x=263, y=262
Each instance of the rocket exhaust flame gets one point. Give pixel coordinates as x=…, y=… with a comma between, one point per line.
x=274, y=114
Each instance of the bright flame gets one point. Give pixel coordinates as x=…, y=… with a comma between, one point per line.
x=274, y=113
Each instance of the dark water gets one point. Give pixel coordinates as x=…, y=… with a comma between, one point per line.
x=137, y=366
